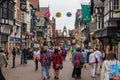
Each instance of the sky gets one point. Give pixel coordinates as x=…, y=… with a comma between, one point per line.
x=63, y=6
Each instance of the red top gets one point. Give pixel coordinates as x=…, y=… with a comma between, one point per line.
x=56, y=59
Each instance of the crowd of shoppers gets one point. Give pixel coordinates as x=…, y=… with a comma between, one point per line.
x=48, y=57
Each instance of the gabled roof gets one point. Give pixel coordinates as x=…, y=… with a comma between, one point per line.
x=35, y=3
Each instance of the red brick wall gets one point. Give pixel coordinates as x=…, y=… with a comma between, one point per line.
x=35, y=3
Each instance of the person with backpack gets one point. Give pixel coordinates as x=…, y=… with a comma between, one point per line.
x=78, y=64
x=45, y=61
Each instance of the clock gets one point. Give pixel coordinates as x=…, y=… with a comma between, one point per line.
x=23, y=7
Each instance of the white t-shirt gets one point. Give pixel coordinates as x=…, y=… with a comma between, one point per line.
x=36, y=53
x=98, y=54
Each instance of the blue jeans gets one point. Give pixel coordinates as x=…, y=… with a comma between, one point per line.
x=25, y=59
x=36, y=64
x=45, y=71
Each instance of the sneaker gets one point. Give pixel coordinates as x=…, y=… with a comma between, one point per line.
x=56, y=78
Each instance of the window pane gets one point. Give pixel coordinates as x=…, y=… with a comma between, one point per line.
x=4, y=13
x=116, y=4
x=0, y=12
x=5, y=4
x=11, y=15
x=11, y=6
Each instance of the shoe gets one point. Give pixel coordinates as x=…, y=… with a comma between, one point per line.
x=12, y=67
x=56, y=78
x=92, y=76
x=48, y=77
x=36, y=69
x=44, y=79
x=79, y=77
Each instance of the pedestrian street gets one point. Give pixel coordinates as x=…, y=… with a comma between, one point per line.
x=27, y=72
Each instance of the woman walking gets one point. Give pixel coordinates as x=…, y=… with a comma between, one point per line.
x=36, y=55
x=45, y=61
x=110, y=60
x=57, y=63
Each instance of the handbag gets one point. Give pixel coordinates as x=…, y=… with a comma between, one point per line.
x=38, y=57
x=59, y=66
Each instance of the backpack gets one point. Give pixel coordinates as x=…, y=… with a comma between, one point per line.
x=79, y=61
x=45, y=59
x=114, y=72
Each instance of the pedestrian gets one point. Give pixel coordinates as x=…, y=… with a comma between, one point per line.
x=3, y=61
x=84, y=54
x=98, y=56
x=73, y=54
x=92, y=63
x=64, y=53
x=45, y=61
x=36, y=56
x=110, y=59
x=103, y=55
x=14, y=55
x=6, y=53
x=18, y=50
x=25, y=54
x=78, y=64
x=57, y=63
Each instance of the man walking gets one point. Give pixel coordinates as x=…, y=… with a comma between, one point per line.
x=25, y=54
x=98, y=56
x=14, y=55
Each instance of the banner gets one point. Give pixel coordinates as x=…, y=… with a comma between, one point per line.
x=86, y=17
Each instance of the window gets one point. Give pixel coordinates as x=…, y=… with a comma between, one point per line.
x=4, y=10
x=0, y=11
x=115, y=4
x=11, y=12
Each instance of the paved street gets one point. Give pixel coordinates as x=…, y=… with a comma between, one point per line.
x=27, y=72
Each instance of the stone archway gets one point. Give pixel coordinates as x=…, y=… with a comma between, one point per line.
x=64, y=40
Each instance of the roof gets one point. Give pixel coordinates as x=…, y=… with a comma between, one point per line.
x=35, y=3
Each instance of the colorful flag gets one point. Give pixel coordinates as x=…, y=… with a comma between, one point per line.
x=47, y=14
x=86, y=17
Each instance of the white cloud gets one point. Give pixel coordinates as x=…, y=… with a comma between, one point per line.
x=63, y=6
